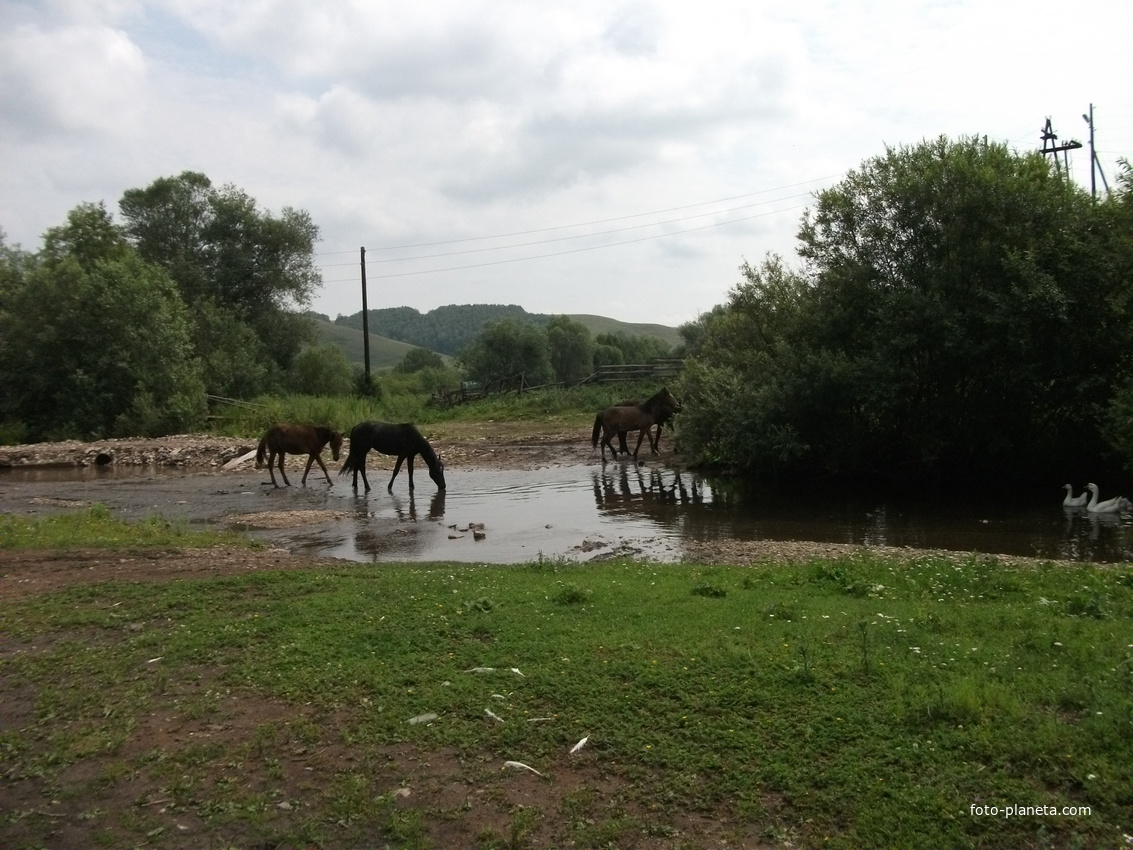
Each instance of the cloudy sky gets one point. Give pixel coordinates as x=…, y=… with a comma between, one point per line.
x=608, y=157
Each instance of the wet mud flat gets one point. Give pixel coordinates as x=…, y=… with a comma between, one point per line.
x=494, y=516
x=532, y=500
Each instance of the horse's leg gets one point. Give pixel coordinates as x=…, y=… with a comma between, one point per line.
x=622, y=442
x=640, y=436
x=322, y=465
x=409, y=469
x=606, y=435
x=655, y=442
x=271, y=466
x=310, y=460
x=365, y=481
x=282, y=456
x=397, y=469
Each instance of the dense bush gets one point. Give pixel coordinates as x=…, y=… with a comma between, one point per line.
x=962, y=313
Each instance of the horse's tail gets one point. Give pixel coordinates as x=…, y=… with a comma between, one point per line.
x=597, y=431
x=355, y=459
x=261, y=452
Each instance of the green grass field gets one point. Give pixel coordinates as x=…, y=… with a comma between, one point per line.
x=857, y=702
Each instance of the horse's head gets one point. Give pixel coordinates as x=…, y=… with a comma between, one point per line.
x=437, y=473
x=335, y=444
x=668, y=401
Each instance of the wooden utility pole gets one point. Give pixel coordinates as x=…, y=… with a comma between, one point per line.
x=1095, y=165
x=365, y=322
x=1049, y=146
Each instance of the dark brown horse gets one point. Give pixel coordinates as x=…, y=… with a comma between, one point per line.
x=639, y=417
x=298, y=440
x=654, y=439
x=403, y=440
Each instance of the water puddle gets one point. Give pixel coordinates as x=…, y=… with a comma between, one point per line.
x=577, y=513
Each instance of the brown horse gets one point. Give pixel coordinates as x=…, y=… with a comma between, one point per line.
x=298, y=440
x=654, y=439
x=639, y=417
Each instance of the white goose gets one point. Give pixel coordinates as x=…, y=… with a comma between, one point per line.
x=1072, y=501
x=1109, y=506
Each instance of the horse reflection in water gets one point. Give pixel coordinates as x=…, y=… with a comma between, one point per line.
x=403, y=538
x=657, y=493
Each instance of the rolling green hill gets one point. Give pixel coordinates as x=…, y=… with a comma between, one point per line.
x=384, y=353
x=602, y=325
x=435, y=330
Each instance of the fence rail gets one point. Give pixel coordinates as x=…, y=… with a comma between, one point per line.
x=660, y=369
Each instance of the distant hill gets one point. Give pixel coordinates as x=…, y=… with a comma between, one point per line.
x=602, y=325
x=384, y=353
x=449, y=329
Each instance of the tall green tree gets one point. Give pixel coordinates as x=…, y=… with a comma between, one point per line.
x=323, y=370
x=508, y=348
x=417, y=359
x=1119, y=416
x=571, y=349
x=635, y=348
x=222, y=250
x=962, y=309
x=96, y=342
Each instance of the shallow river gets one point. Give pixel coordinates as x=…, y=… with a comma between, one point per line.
x=573, y=512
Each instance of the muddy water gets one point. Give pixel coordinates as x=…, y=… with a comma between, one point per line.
x=573, y=512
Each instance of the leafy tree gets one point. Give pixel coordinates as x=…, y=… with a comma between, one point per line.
x=221, y=250
x=97, y=347
x=508, y=348
x=635, y=348
x=571, y=349
x=234, y=362
x=608, y=355
x=323, y=371
x=962, y=310
x=1119, y=416
x=417, y=359
x=90, y=236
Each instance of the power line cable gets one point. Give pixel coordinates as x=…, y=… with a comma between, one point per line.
x=585, y=223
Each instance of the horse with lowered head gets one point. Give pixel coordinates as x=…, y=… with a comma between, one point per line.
x=297, y=439
x=638, y=417
x=403, y=441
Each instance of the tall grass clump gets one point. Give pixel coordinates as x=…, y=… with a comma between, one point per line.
x=96, y=527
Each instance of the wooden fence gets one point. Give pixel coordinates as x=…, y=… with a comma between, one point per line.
x=660, y=369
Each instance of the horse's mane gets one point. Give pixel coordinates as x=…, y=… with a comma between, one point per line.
x=423, y=447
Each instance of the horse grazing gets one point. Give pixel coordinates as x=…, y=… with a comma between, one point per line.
x=404, y=441
x=654, y=439
x=639, y=417
x=298, y=440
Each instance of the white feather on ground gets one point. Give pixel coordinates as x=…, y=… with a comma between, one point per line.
x=521, y=766
x=579, y=745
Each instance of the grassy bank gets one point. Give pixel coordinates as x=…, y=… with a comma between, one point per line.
x=573, y=407
x=834, y=703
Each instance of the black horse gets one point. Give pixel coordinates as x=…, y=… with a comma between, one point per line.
x=404, y=441
x=639, y=417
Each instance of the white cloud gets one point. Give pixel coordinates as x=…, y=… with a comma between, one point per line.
x=71, y=79
x=402, y=122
